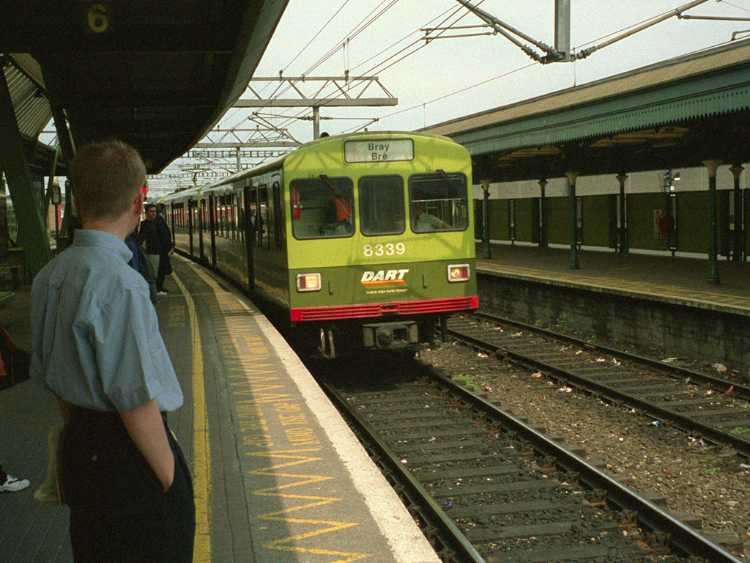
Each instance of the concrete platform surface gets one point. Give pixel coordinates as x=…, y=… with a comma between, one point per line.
x=277, y=473
x=675, y=280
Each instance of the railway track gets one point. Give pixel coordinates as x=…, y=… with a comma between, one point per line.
x=715, y=408
x=487, y=486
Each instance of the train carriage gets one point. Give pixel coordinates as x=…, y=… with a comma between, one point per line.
x=367, y=239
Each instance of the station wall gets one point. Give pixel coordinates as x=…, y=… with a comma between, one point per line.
x=514, y=211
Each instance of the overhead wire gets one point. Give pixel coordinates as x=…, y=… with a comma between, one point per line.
x=486, y=81
x=375, y=14
x=452, y=12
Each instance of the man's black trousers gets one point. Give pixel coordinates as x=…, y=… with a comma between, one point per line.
x=118, y=510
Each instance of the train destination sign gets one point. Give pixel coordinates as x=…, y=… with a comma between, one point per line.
x=384, y=150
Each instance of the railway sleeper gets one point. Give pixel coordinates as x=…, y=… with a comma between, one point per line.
x=523, y=507
x=497, y=489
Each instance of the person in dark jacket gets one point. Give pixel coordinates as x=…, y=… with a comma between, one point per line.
x=157, y=238
x=140, y=264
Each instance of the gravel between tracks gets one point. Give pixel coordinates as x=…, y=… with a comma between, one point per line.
x=705, y=481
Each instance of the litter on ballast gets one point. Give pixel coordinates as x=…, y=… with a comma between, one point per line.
x=721, y=368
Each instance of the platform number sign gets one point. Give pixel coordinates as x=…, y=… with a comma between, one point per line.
x=98, y=18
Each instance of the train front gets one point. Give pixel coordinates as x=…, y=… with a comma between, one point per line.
x=381, y=238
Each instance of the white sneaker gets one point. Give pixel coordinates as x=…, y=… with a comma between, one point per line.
x=13, y=485
x=162, y=293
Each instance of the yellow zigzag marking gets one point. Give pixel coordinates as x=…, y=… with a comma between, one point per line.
x=313, y=501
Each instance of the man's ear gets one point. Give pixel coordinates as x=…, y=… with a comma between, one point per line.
x=138, y=202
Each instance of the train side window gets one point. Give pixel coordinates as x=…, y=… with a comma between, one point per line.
x=322, y=207
x=437, y=202
x=381, y=205
x=262, y=224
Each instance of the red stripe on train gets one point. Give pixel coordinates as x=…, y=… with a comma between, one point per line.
x=424, y=307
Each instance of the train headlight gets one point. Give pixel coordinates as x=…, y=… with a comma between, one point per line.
x=459, y=272
x=308, y=282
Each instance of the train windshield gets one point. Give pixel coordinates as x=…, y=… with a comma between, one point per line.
x=322, y=207
x=438, y=203
x=381, y=205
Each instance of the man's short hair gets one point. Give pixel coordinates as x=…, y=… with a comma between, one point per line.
x=149, y=206
x=106, y=177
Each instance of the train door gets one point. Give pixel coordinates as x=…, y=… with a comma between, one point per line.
x=201, y=222
x=171, y=216
x=190, y=206
x=249, y=228
x=212, y=227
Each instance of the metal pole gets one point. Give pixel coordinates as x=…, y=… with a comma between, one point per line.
x=562, y=28
x=738, y=226
x=68, y=151
x=31, y=230
x=239, y=163
x=543, y=213
x=622, y=232
x=485, y=219
x=713, y=267
x=316, y=122
x=571, y=176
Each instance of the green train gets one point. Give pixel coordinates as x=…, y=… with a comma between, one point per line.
x=365, y=239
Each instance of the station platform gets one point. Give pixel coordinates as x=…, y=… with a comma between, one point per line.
x=660, y=306
x=278, y=475
x=681, y=281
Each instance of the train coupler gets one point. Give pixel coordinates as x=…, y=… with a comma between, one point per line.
x=390, y=335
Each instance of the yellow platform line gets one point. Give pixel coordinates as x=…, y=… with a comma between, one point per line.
x=201, y=460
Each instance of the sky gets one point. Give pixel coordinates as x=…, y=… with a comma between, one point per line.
x=470, y=74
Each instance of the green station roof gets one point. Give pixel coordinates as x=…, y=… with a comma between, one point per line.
x=677, y=112
x=155, y=74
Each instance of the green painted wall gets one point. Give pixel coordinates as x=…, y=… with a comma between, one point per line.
x=641, y=208
x=692, y=215
x=599, y=217
x=526, y=220
x=558, y=220
x=598, y=214
x=746, y=222
x=499, y=225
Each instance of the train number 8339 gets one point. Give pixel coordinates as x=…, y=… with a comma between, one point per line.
x=388, y=249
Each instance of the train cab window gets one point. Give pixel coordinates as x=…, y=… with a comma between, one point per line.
x=381, y=205
x=322, y=207
x=438, y=203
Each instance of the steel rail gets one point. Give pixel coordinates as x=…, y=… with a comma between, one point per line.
x=721, y=384
x=683, y=422
x=463, y=548
x=682, y=536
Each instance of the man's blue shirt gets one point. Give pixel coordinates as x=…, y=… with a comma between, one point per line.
x=95, y=335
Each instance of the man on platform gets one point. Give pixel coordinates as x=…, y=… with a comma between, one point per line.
x=96, y=346
x=158, y=240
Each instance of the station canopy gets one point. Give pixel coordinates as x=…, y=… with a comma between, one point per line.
x=157, y=75
x=675, y=113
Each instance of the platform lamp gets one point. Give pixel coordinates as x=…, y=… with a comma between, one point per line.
x=485, y=219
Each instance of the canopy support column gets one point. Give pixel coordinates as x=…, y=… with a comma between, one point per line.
x=713, y=266
x=543, y=238
x=573, y=211
x=31, y=229
x=486, y=219
x=739, y=228
x=68, y=151
x=622, y=231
